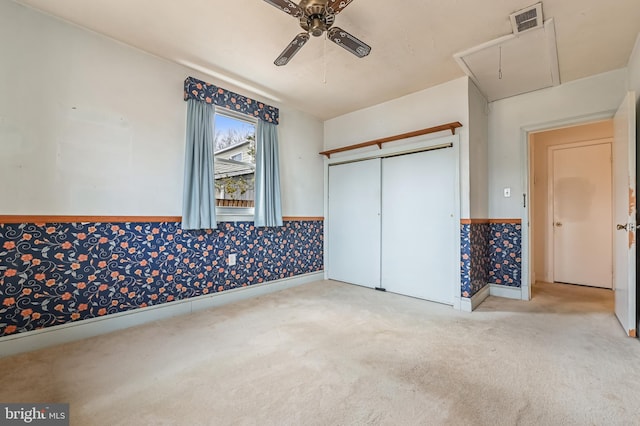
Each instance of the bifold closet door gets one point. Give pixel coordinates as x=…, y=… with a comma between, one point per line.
x=418, y=230
x=353, y=246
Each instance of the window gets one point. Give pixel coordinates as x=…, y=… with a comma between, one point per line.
x=235, y=161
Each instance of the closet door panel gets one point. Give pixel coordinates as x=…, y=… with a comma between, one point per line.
x=418, y=225
x=353, y=228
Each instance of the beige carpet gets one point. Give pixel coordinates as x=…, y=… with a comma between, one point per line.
x=335, y=354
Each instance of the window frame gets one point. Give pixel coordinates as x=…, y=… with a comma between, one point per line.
x=228, y=213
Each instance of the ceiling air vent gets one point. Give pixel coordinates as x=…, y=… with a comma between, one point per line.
x=527, y=19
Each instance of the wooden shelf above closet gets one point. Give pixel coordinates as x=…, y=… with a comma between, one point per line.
x=449, y=126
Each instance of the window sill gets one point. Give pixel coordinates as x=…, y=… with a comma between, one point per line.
x=234, y=214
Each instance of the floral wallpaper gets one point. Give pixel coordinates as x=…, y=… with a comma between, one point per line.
x=479, y=256
x=505, y=251
x=465, y=260
x=490, y=253
x=206, y=92
x=55, y=273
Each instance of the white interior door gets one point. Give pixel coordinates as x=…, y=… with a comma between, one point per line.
x=353, y=231
x=582, y=214
x=624, y=178
x=420, y=257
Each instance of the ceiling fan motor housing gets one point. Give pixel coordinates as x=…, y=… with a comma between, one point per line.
x=316, y=25
x=316, y=18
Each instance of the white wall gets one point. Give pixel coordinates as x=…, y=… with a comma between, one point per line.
x=437, y=105
x=301, y=165
x=441, y=104
x=478, y=154
x=89, y=126
x=508, y=117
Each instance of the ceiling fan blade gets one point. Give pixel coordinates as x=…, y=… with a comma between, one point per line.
x=337, y=5
x=293, y=47
x=348, y=42
x=287, y=7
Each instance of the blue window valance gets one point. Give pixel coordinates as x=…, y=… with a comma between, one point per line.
x=211, y=94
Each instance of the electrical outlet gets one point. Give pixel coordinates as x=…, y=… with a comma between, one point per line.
x=232, y=259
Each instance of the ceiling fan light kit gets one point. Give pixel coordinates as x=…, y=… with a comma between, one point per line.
x=317, y=17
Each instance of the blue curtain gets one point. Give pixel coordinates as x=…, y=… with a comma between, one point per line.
x=199, y=198
x=268, y=210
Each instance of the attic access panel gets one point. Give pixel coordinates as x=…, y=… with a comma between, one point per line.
x=514, y=64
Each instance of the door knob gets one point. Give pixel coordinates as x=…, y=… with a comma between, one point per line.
x=558, y=224
x=621, y=227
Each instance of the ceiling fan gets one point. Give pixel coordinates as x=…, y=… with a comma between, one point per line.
x=316, y=17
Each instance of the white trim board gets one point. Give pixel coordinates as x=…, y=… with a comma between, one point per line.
x=51, y=336
x=505, y=291
x=469, y=304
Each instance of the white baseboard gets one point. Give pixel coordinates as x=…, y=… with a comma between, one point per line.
x=505, y=291
x=51, y=336
x=469, y=304
x=457, y=303
x=525, y=293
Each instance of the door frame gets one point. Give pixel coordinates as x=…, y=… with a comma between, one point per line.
x=550, y=247
x=527, y=183
x=405, y=146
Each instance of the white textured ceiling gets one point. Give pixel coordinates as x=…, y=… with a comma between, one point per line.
x=413, y=42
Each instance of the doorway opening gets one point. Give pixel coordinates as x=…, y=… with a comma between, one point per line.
x=571, y=205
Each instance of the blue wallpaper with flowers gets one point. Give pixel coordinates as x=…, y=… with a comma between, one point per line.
x=479, y=256
x=206, y=92
x=505, y=251
x=465, y=260
x=490, y=253
x=55, y=273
